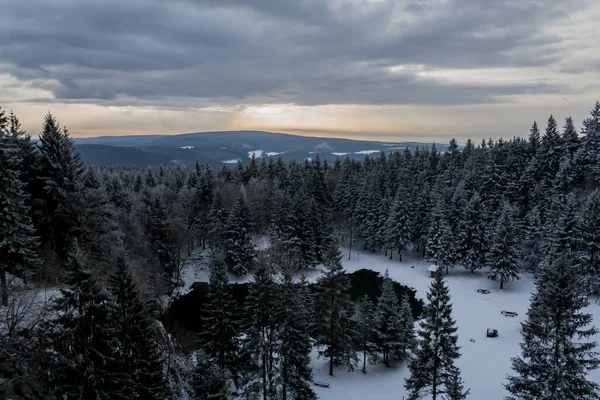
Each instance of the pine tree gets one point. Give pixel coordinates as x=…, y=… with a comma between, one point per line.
x=294, y=342
x=440, y=246
x=473, y=242
x=570, y=138
x=208, y=382
x=83, y=364
x=366, y=331
x=502, y=256
x=61, y=171
x=554, y=364
x=139, y=361
x=589, y=238
x=407, y=327
x=220, y=321
x=239, y=252
x=18, y=243
x=455, y=387
x=388, y=324
x=437, y=350
x=397, y=227
x=260, y=343
x=334, y=330
x=217, y=221
x=591, y=145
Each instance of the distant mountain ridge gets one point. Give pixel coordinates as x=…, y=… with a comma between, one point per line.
x=225, y=147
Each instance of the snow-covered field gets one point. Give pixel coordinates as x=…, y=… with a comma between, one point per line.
x=484, y=362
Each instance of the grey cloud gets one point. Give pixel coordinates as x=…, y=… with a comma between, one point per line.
x=306, y=52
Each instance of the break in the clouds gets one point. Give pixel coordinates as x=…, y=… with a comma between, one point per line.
x=201, y=57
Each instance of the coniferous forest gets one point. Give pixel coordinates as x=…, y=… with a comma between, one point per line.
x=92, y=265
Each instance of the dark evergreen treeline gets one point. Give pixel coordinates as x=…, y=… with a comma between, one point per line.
x=111, y=238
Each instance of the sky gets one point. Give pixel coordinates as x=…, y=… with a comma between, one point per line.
x=364, y=69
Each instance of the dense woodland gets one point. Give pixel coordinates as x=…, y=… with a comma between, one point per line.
x=109, y=245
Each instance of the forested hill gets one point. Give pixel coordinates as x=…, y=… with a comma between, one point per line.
x=113, y=243
x=227, y=147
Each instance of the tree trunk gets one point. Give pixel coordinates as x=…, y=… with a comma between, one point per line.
x=447, y=270
x=364, y=368
x=331, y=338
x=3, y=287
x=434, y=382
x=351, y=238
x=501, y=283
x=391, y=254
x=264, y=376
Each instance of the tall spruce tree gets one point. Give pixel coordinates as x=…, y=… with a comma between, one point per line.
x=208, y=380
x=60, y=172
x=502, y=257
x=294, y=343
x=433, y=363
x=473, y=241
x=239, y=252
x=365, y=331
x=388, y=324
x=84, y=344
x=18, y=243
x=260, y=342
x=407, y=327
x=455, y=387
x=554, y=363
x=589, y=241
x=140, y=364
x=220, y=320
x=333, y=312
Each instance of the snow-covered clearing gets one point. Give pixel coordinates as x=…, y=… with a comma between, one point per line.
x=274, y=153
x=187, y=147
x=484, y=362
x=339, y=154
x=255, y=153
x=232, y=161
x=367, y=151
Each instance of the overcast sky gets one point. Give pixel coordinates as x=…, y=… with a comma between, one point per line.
x=378, y=69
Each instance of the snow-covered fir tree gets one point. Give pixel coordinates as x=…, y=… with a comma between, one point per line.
x=18, y=243
x=220, y=320
x=473, y=240
x=502, y=256
x=554, y=361
x=434, y=361
x=294, y=374
x=455, y=389
x=407, y=327
x=83, y=361
x=138, y=356
x=388, y=324
x=239, y=251
x=260, y=341
x=396, y=228
x=57, y=187
x=365, y=331
x=334, y=328
x=589, y=241
x=208, y=380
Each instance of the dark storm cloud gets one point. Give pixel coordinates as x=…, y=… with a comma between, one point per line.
x=306, y=52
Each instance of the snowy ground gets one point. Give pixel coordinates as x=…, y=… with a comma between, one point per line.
x=484, y=362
